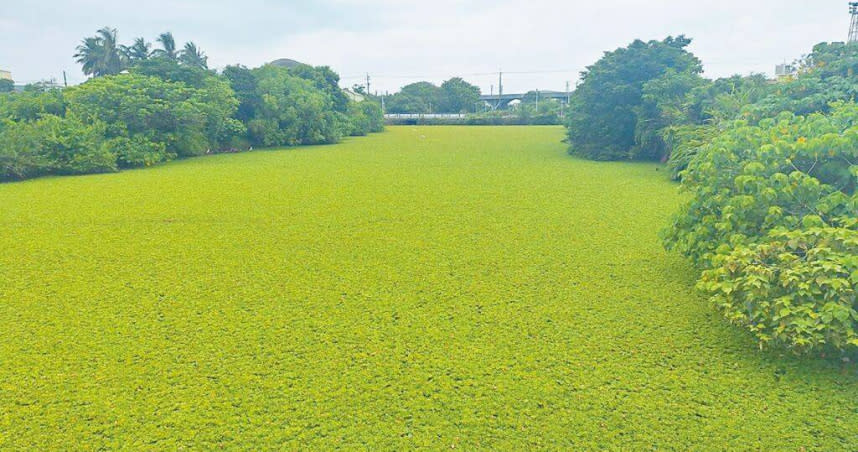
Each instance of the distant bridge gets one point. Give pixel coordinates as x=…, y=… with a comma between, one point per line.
x=503, y=100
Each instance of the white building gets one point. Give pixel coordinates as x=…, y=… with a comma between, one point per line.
x=5, y=75
x=784, y=70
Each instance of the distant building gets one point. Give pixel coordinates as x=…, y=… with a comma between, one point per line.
x=5, y=75
x=354, y=96
x=784, y=70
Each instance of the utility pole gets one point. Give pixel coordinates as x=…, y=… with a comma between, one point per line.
x=65, y=80
x=500, y=88
x=368, y=92
x=537, y=101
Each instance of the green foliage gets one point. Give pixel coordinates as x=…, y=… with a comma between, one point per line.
x=6, y=85
x=186, y=121
x=169, y=105
x=416, y=98
x=325, y=80
x=750, y=183
x=796, y=289
x=453, y=96
x=55, y=145
x=20, y=152
x=292, y=111
x=417, y=289
x=663, y=105
x=171, y=71
x=684, y=141
x=610, y=118
x=32, y=105
x=826, y=75
x=138, y=151
x=192, y=56
x=100, y=54
x=364, y=117
x=458, y=96
x=246, y=88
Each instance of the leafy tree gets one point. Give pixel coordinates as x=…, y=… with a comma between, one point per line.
x=100, y=54
x=244, y=83
x=53, y=144
x=604, y=110
x=326, y=80
x=796, y=289
x=664, y=103
x=6, y=85
x=293, y=111
x=365, y=117
x=187, y=121
x=725, y=98
x=31, y=105
x=458, y=96
x=171, y=71
x=420, y=97
x=192, y=56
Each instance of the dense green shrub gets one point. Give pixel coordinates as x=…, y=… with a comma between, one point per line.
x=20, y=155
x=689, y=122
x=292, y=111
x=325, y=80
x=186, y=121
x=32, y=105
x=751, y=183
x=751, y=179
x=796, y=289
x=55, y=145
x=299, y=105
x=138, y=151
x=363, y=118
x=684, y=141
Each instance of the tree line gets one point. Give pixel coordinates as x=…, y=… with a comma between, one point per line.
x=146, y=106
x=453, y=96
x=457, y=96
x=770, y=169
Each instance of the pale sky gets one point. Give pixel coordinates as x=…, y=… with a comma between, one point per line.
x=537, y=43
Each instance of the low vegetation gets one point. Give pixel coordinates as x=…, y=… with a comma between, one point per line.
x=467, y=287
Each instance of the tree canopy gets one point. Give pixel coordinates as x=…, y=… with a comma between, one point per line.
x=453, y=96
x=608, y=119
x=144, y=107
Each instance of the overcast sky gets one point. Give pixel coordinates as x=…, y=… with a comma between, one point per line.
x=537, y=43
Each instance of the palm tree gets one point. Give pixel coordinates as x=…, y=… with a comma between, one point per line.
x=192, y=56
x=89, y=55
x=139, y=51
x=99, y=55
x=168, y=46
